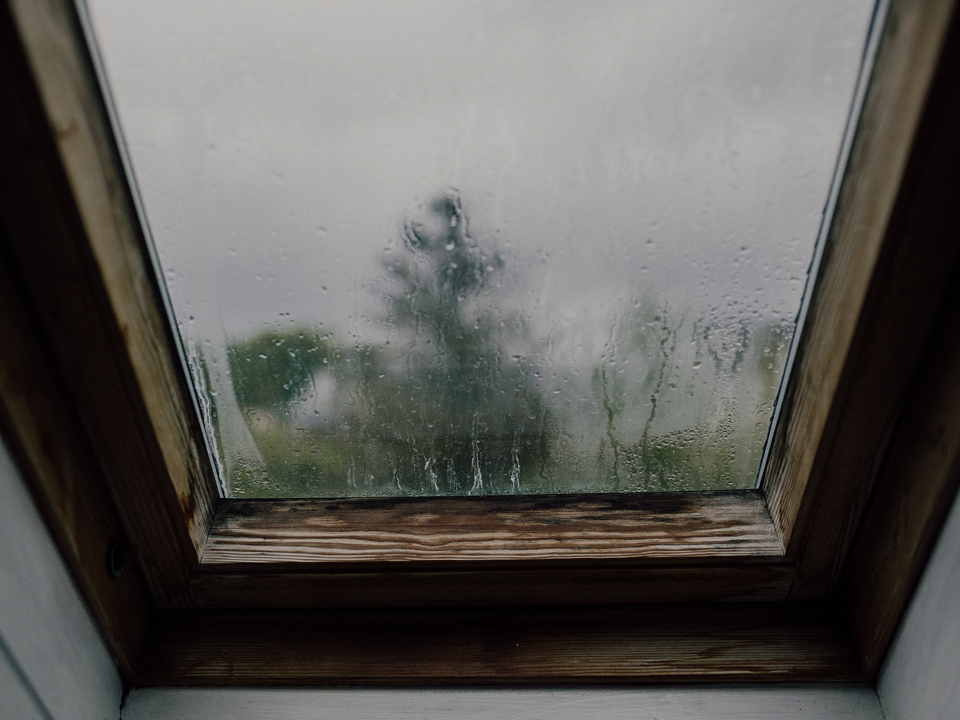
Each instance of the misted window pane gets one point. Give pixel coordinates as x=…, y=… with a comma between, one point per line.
x=444, y=247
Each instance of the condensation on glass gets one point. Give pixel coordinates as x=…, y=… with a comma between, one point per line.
x=444, y=247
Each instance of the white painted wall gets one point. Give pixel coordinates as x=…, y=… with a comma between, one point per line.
x=920, y=679
x=664, y=703
x=16, y=696
x=53, y=665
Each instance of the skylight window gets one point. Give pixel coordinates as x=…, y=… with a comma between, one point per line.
x=435, y=248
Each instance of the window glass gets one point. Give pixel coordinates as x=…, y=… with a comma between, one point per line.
x=447, y=247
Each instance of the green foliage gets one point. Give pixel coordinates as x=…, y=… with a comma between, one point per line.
x=273, y=369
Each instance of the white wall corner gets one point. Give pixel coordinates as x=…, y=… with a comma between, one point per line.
x=53, y=663
x=920, y=678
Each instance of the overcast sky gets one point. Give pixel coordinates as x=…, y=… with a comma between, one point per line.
x=681, y=149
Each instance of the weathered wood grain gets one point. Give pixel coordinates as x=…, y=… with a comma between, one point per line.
x=916, y=489
x=75, y=238
x=638, y=644
x=527, y=586
x=885, y=267
x=601, y=528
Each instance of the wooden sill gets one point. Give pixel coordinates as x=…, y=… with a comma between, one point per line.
x=656, y=547
x=492, y=531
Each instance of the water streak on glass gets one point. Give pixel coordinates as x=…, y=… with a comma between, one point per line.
x=450, y=247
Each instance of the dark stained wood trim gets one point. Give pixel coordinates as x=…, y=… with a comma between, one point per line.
x=601, y=529
x=74, y=237
x=914, y=493
x=550, y=585
x=886, y=264
x=765, y=642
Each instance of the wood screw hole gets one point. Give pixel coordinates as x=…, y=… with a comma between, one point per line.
x=116, y=558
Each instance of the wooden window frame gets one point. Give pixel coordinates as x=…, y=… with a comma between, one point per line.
x=803, y=579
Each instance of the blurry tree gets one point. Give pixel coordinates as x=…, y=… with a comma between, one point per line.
x=464, y=403
x=272, y=369
x=449, y=406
